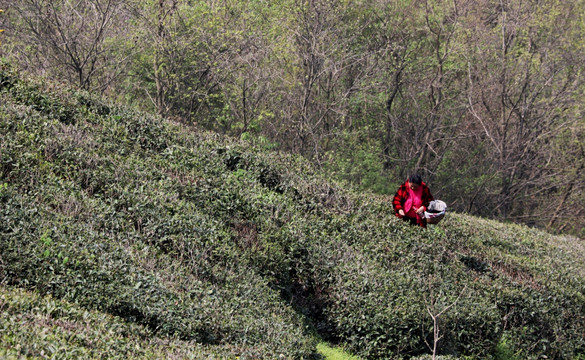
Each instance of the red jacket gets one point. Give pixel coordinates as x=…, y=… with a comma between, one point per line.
x=402, y=195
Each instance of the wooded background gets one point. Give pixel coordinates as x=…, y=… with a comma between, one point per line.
x=484, y=98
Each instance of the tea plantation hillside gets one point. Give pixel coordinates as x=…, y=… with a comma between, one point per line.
x=126, y=236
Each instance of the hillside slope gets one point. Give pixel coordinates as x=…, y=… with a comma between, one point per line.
x=123, y=235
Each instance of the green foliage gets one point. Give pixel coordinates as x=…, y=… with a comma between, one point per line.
x=482, y=102
x=44, y=327
x=161, y=234
x=358, y=161
x=104, y=218
x=504, y=350
x=331, y=353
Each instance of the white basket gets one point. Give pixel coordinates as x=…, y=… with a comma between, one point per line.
x=436, y=211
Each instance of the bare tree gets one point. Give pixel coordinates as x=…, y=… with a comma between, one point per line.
x=518, y=104
x=435, y=312
x=422, y=84
x=322, y=74
x=70, y=39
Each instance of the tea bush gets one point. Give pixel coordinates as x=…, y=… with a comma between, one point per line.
x=44, y=327
x=183, y=237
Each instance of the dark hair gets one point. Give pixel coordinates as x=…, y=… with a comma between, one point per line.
x=415, y=179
